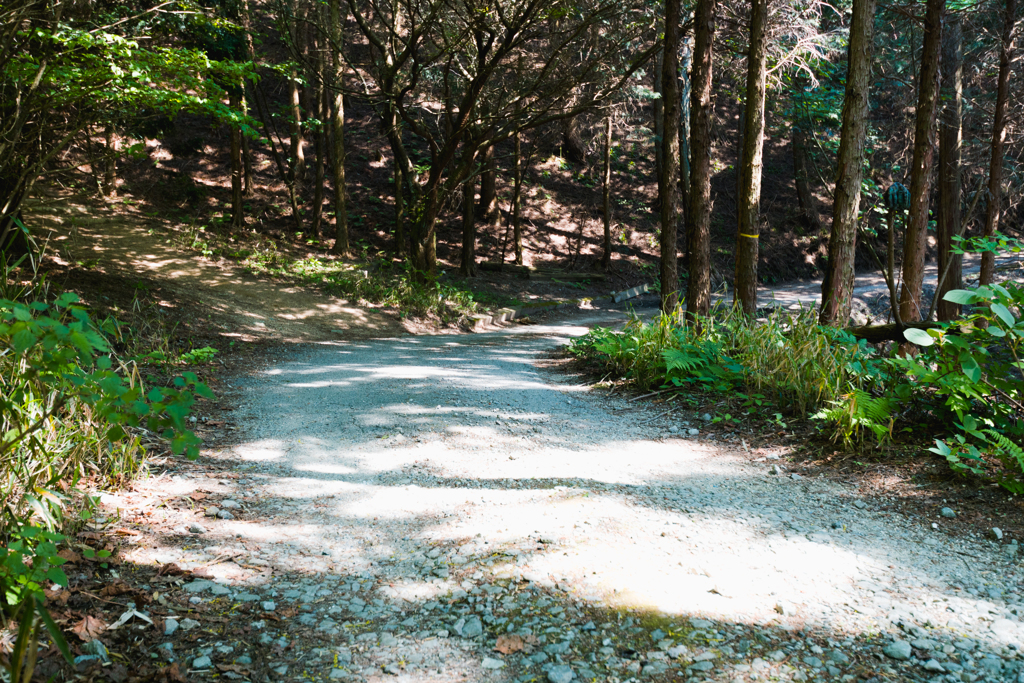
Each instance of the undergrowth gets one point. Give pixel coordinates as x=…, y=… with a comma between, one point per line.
x=967, y=376
x=372, y=278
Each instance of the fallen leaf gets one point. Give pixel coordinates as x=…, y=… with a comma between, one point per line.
x=197, y=495
x=116, y=588
x=127, y=532
x=70, y=556
x=172, y=674
x=202, y=573
x=238, y=669
x=89, y=628
x=170, y=569
x=506, y=645
x=128, y=615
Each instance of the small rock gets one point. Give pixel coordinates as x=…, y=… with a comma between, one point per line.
x=899, y=649
x=996, y=533
x=561, y=673
x=203, y=662
x=212, y=511
x=795, y=476
x=244, y=660
x=706, y=417
x=774, y=469
x=491, y=663
x=196, y=528
x=706, y=665
x=933, y=665
x=224, y=514
x=786, y=609
x=188, y=624
x=693, y=432
x=268, y=605
x=859, y=504
x=948, y=513
x=677, y=651
x=673, y=429
x=98, y=649
x=338, y=674
x=170, y=626
x=838, y=657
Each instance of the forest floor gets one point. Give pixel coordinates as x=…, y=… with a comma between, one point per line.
x=374, y=505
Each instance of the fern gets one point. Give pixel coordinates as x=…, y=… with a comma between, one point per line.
x=859, y=413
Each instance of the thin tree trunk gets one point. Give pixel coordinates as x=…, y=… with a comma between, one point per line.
x=993, y=211
x=750, y=173
x=400, y=249
x=237, y=168
x=110, y=165
x=659, y=113
x=250, y=56
x=488, y=187
x=468, y=266
x=950, y=148
x=517, y=201
x=837, y=288
x=915, y=240
x=698, y=291
x=606, y=194
x=314, y=109
x=297, y=153
x=337, y=75
x=669, y=178
x=684, y=133
x=809, y=207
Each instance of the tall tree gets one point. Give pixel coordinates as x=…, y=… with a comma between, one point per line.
x=336, y=82
x=950, y=148
x=698, y=225
x=606, y=194
x=993, y=211
x=668, y=176
x=837, y=288
x=915, y=241
x=468, y=265
x=749, y=210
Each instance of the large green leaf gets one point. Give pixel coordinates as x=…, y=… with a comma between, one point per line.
x=1004, y=313
x=919, y=337
x=960, y=296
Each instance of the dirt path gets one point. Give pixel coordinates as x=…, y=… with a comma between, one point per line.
x=117, y=239
x=394, y=507
x=447, y=509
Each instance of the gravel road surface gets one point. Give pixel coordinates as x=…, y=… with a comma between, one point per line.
x=446, y=508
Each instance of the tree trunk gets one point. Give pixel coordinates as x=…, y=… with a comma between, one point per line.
x=488, y=187
x=809, y=207
x=837, y=288
x=110, y=163
x=698, y=291
x=315, y=109
x=517, y=201
x=250, y=55
x=297, y=153
x=684, y=133
x=337, y=75
x=993, y=211
x=606, y=194
x=468, y=266
x=950, y=147
x=750, y=174
x=237, y=167
x=669, y=178
x=400, y=248
x=659, y=113
x=915, y=240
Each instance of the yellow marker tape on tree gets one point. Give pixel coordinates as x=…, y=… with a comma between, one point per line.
x=753, y=237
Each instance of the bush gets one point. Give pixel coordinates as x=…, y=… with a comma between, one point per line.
x=65, y=414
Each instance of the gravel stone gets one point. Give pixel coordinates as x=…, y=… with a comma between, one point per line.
x=203, y=662
x=948, y=513
x=900, y=650
x=561, y=674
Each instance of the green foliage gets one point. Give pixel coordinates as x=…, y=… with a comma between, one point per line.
x=858, y=414
x=198, y=356
x=64, y=409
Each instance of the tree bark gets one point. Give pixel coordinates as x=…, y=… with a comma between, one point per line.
x=658, y=110
x=837, y=288
x=698, y=290
x=668, y=181
x=468, y=266
x=950, y=148
x=315, y=109
x=606, y=194
x=993, y=210
x=750, y=174
x=237, y=167
x=488, y=187
x=110, y=163
x=915, y=241
x=517, y=200
x=684, y=133
x=337, y=74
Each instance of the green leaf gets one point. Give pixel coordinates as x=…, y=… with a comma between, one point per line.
x=971, y=368
x=23, y=340
x=58, y=576
x=960, y=296
x=919, y=337
x=55, y=634
x=1004, y=314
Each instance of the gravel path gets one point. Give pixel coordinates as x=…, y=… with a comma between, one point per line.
x=414, y=503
